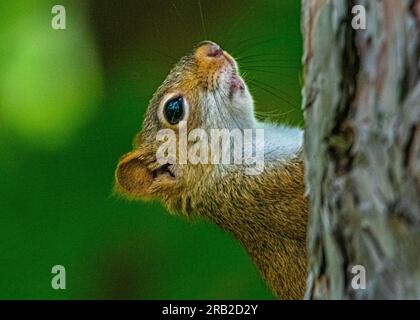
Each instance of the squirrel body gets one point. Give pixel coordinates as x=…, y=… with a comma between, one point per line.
x=266, y=212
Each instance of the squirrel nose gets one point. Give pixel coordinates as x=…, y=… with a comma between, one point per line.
x=213, y=49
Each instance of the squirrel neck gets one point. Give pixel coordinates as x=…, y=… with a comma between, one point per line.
x=267, y=212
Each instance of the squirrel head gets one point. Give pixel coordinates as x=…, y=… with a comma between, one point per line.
x=204, y=90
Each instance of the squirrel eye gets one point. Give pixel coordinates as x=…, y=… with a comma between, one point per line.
x=174, y=110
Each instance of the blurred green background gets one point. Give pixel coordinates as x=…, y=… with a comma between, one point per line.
x=71, y=102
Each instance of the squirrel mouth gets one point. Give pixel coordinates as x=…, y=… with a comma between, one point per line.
x=164, y=170
x=236, y=83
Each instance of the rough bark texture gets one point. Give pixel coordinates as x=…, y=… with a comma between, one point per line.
x=362, y=148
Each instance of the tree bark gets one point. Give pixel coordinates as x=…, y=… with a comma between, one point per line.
x=362, y=148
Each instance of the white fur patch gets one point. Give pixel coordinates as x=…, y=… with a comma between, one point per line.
x=281, y=142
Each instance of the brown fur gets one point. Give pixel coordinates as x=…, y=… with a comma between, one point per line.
x=267, y=213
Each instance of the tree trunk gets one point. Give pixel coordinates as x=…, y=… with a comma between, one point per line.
x=362, y=149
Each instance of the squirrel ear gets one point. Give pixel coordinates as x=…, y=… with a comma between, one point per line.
x=132, y=176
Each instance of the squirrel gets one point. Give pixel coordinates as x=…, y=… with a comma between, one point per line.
x=267, y=212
